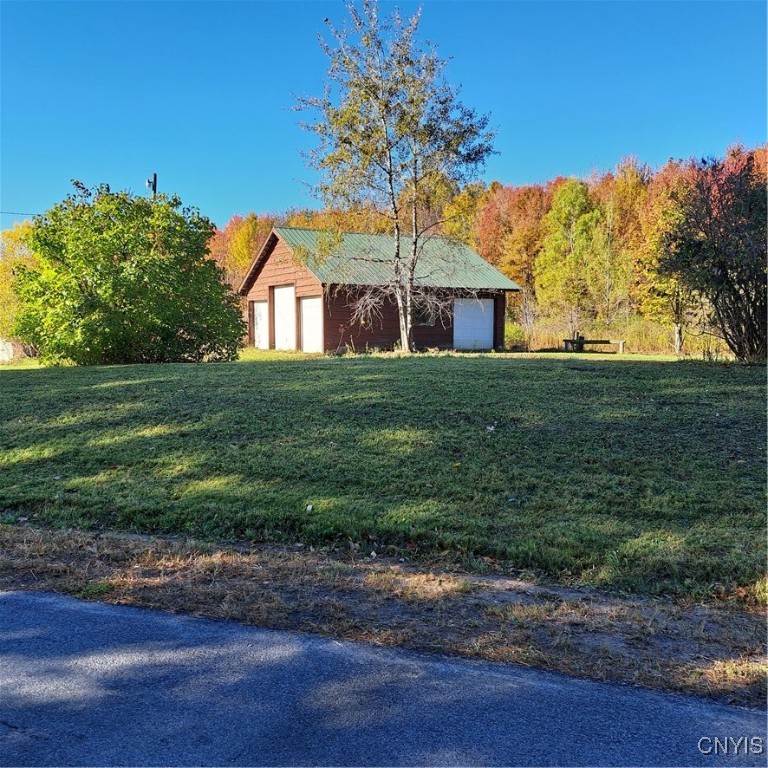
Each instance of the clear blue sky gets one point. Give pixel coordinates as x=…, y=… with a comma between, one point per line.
x=201, y=92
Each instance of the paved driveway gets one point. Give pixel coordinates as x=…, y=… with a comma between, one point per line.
x=90, y=684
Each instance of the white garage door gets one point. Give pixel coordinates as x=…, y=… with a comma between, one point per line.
x=312, y=324
x=473, y=323
x=261, y=325
x=285, y=317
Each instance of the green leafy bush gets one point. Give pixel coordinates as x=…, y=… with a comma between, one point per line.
x=125, y=279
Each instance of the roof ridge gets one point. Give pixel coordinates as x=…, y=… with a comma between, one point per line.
x=366, y=234
x=341, y=231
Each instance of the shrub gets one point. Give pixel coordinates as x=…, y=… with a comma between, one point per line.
x=124, y=279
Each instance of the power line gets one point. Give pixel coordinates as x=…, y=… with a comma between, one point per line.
x=18, y=213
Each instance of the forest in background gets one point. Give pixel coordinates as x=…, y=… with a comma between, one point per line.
x=593, y=256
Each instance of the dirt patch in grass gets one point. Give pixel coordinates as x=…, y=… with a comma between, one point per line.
x=711, y=649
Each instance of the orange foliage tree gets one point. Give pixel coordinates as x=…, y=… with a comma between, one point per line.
x=235, y=246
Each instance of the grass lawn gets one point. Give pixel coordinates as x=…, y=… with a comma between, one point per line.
x=626, y=473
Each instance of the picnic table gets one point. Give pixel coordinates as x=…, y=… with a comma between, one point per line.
x=576, y=344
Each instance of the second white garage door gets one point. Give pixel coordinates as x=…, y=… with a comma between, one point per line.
x=473, y=323
x=285, y=317
x=312, y=324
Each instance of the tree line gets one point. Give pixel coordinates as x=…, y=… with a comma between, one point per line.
x=674, y=255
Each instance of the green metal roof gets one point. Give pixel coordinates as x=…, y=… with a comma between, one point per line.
x=358, y=259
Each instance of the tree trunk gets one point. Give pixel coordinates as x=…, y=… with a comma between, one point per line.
x=403, y=303
x=403, y=315
x=678, y=338
x=409, y=322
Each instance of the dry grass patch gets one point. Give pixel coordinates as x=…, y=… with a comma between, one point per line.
x=417, y=586
x=712, y=649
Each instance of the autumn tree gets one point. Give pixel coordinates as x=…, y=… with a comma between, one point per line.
x=718, y=245
x=125, y=279
x=15, y=253
x=510, y=233
x=607, y=266
x=461, y=212
x=524, y=232
x=522, y=243
x=661, y=295
x=235, y=246
x=621, y=197
x=389, y=126
x=560, y=272
x=360, y=219
x=493, y=222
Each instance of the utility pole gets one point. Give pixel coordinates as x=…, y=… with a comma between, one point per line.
x=152, y=184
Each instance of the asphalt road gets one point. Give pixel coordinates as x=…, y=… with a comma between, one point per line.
x=91, y=684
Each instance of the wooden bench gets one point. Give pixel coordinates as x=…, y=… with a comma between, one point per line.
x=577, y=344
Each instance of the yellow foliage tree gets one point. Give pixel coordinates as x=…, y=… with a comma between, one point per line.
x=14, y=252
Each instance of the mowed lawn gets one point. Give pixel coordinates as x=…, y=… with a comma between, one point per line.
x=631, y=474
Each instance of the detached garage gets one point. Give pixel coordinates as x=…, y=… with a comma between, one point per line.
x=298, y=299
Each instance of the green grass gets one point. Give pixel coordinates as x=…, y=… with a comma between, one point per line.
x=627, y=473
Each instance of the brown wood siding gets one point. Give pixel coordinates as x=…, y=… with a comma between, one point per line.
x=499, y=312
x=248, y=317
x=340, y=332
x=384, y=332
x=280, y=268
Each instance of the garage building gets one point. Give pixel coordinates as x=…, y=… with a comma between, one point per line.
x=299, y=292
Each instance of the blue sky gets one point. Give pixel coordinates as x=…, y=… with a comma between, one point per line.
x=201, y=92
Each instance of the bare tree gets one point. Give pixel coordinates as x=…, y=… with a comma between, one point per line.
x=391, y=131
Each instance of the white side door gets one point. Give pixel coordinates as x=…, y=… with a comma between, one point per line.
x=285, y=317
x=311, y=324
x=473, y=323
x=261, y=324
